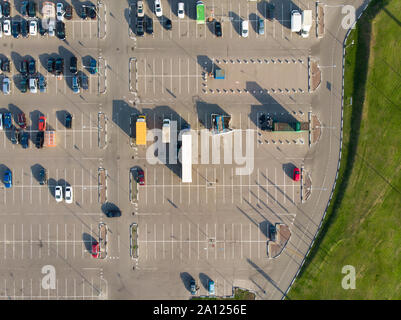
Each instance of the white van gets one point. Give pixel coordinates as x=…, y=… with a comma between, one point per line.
x=245, y=28
x=33, y=85
x=296, y=21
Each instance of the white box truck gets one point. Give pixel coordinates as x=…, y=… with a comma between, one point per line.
x=296, y=21
x=186, y=157
x=306, y=23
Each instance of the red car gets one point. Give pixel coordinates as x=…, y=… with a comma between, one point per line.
x=21, y=120
x=42, y=123
x=95, y=250
x=297, y=174
x=141, y=177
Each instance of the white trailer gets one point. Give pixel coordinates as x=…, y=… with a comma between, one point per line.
x=186, y=157
x=296, y=21
x=306, y=23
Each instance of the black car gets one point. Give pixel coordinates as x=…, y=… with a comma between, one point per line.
x=168, y=24
x=31, y=9
x=73, y=65
x=6, y=9
x=15, y=29
x=217, y=29
x=91, y=12
x=50, y=64
x=24, y=140
x=270, y=11
x=59, y=66
x=139, y=27
x=84, y=12
x=24, y=28
x=42, y=31
x=23, y=84
x=5, y=65
x=24, y=8
x=68, y=11
x=60, y=30
x=113, y=213
x=42, y=176
x=149, y=25
x=32, y=67
x=15, y=136
x=24, y=67
x=40, y=137
x=68, y=121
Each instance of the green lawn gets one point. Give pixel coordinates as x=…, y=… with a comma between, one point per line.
x=363, y=224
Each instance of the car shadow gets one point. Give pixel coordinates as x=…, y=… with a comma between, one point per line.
x=88, y=240
x=204, y=280
x=186, y=280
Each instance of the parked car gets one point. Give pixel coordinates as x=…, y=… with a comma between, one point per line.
x=296, y=175
x=33, y=85
x=261, y=26
x=139, y=27
x=25, y=140
x=42, y=176
x=32, y=67
x=84, y=12
x=73, y=65
x=68, y=195
x=181, y=11
x=60, y=11
x=113, y=213
x=158, y=8
x=244, y=28
x=33, y=28
x=92, y=12
x=40, y=137
x=42, y=83
x=16, y=29
x=140, y=177
x=6, y=85
x=5, y=65
x=68, y=121
x=51, y=64
x=7, y=120
x=211, y=287
x=58, y=194
x=23, y=85
x=24, y=28
x=68, y=12
x=42, y=123
x=7, y=27
x=24, y=8
x=6, y=9
x=149, y=25
x=192, y=286
x=217, y=29
x=21, y=120
x=8, y=178
x=168, y=24
x=59, y=66
x=24, y=67
x=75, y=84
x=42, y=30
x=31, y=9
x=15, y=136
x=92, y=66
x=84, y=82
x=60, y=30
x=139, y=9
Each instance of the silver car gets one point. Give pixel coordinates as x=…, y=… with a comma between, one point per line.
x=6, y=85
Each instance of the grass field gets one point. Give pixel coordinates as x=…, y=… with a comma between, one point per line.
x=362, y=227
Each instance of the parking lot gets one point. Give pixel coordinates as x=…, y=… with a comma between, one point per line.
x=213, y=228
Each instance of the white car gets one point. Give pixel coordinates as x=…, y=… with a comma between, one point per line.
x=6, y=85
x=7, y=27
x=33, y=85
x=59, y=194
x=33, y=27
x=245, y=28
x=158, y=8
x=139, y=9
x=181, y=12
x=68, y=194
x=1, y=121
x=60, y=11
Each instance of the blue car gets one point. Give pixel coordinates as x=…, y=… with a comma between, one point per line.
x=92, y=66
x=25, y=140
x=211, y=287
x=8, y=120
x=8, y=179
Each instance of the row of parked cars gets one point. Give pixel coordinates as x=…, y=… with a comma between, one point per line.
x=25, y=28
